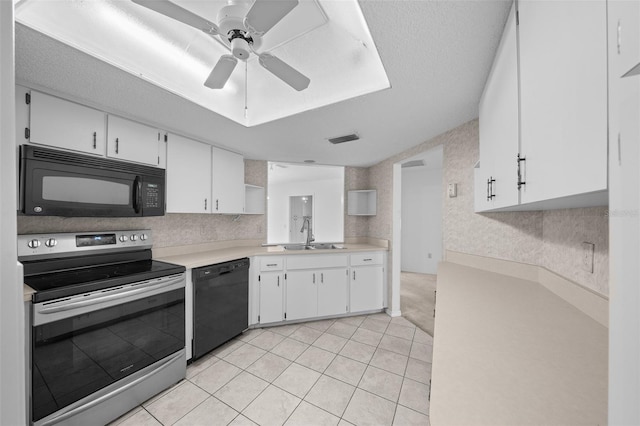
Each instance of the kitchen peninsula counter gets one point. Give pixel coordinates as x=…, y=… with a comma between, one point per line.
x=509, y=351
x=195, y=256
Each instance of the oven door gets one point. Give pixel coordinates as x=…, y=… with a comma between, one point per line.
x=84, y=343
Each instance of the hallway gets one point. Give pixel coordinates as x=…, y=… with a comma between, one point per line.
x=417, y=299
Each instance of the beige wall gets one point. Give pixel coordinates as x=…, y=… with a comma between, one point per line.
x=551, y=239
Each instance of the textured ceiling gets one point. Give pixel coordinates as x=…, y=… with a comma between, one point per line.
x=437, y=55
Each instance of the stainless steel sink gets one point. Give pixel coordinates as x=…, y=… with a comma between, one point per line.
x=298, y=247
x=319, y=246
x=326, y=246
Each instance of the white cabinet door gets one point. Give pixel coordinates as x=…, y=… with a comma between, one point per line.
x=188, y=176
x=63, y=124
x=228, y=182
x=131, y=141
x=271, y=285
x=563, y=97
x=365, y=288
x=332, y=291
x=301, y=295
x=498, y=122
x=624, y=203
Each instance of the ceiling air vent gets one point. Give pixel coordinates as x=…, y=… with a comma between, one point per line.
x=345, y=138
x=413, y=163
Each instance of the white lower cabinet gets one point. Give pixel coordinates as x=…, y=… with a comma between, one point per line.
x=300, y=287
x=302, y=295
x=266, y=288
x=366, y=286
x=316, y=286
x=271, y=294
x=333, y=292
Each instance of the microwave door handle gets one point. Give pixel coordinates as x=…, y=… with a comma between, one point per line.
x=137, y=194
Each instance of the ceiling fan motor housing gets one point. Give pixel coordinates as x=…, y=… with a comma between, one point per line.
x=240, y=48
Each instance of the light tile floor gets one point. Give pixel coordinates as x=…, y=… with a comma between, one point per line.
x=364, y=370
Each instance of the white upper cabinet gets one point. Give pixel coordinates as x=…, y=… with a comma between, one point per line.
x=498, y=122
x=128, y=140
x=563, y=97
x=64, y=124
x=188, y=175
x=543, y=113
x=227, y=182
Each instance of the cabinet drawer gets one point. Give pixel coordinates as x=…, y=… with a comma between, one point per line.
x=271, y=263
x=314, y=262
x=372, y=258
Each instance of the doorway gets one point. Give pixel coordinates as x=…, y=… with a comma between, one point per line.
x=300, y=218
x=419, y=242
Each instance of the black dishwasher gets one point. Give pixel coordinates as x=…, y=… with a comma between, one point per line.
x=220, y=304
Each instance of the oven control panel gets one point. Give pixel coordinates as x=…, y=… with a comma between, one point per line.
x=34, y=246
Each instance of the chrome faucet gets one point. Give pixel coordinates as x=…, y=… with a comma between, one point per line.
x=306, y=223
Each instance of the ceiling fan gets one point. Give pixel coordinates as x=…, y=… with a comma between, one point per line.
x=240, y=28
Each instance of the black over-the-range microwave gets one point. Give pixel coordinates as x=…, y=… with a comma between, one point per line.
x=59, y=183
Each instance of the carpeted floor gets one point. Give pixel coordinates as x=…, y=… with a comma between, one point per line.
x=417, y=299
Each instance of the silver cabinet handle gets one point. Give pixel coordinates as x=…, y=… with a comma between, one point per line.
x=117, y=145
x=322, y=277
x=354, y=275
x=314, y=277
x=216, y=205
x=619, y=38
x=278, y=280
x=205, y=204
x=95, y=136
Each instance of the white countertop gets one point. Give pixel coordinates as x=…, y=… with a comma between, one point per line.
x=508, y=351
x=210, y=257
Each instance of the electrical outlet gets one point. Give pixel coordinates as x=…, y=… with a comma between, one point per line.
x=452, y=190
x=587, y=256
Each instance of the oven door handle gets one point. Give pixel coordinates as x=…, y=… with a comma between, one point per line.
x=108, y=298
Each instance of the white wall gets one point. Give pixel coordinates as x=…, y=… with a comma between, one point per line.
x=328, y=209
x=12, y=348
x=421, y=219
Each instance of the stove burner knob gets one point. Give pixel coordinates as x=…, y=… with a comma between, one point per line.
x=143, y=237
x=124, y=238
x=134, y=237
x=51, y=242
x=34, y=243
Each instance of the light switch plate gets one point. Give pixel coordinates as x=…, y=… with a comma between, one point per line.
x=453, y=190
x=587, y=256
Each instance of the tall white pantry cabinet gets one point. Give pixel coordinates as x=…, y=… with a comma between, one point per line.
x=624, y=212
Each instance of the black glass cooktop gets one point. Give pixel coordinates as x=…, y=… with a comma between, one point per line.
x=65, y=283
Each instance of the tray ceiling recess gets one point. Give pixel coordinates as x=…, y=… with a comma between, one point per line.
x=252, y=62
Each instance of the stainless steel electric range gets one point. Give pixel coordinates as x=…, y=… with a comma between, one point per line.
x=107, y=324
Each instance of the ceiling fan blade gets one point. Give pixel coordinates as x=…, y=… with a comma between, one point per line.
x=265, y=14
x=221, y=72
x=284, y=72
x=179, y=13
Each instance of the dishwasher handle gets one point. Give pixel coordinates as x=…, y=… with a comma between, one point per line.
x=207, y=272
